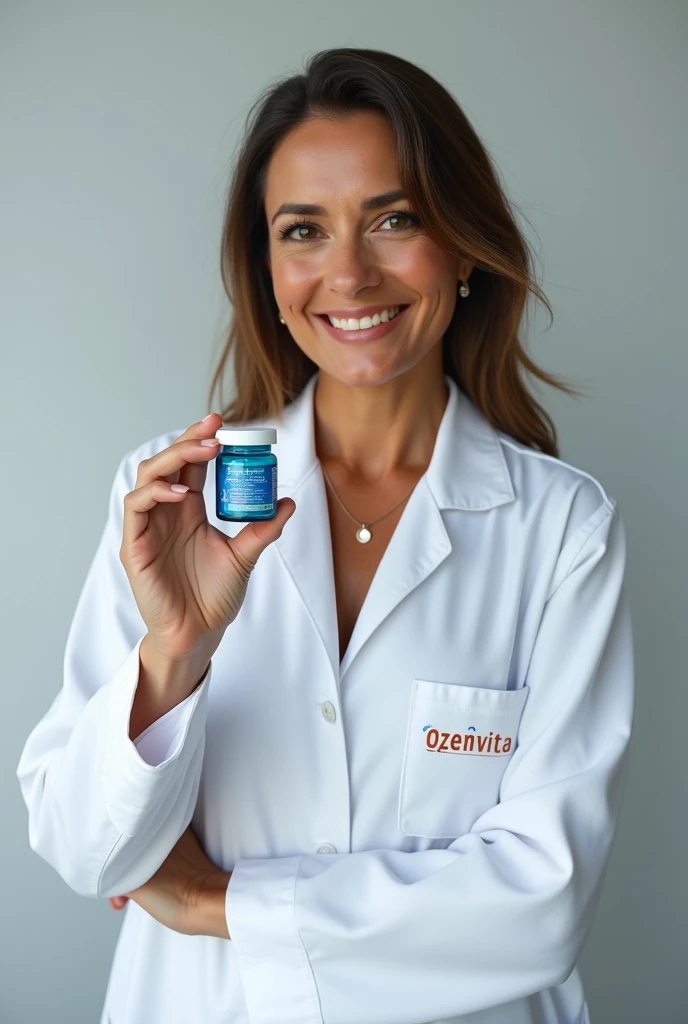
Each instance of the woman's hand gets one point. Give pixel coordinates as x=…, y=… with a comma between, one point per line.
x=188, y=578
x=186, y=893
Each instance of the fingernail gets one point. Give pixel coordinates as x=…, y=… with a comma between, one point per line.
x=210, y=441
x=206, y=418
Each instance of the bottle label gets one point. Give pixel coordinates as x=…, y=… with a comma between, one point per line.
x=245, y=488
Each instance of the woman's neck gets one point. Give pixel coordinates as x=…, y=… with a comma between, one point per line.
x=373, y=431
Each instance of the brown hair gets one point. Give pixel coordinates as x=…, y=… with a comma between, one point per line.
x=453, y=188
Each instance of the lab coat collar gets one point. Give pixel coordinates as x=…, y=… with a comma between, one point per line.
x=467, y=471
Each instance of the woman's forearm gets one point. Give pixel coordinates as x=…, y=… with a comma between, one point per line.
x=161, y=686
x=210, y=915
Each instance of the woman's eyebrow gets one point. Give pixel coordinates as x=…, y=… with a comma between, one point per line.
x=309, y=209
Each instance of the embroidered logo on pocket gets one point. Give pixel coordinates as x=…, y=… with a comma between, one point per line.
x=442, y=797
x=471, y=742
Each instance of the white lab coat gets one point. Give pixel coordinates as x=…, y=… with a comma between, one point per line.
x=375, y=881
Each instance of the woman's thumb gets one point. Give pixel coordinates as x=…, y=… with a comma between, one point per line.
x=250, y=542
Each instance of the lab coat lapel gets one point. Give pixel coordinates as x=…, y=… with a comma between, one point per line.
x=467, y=471
x=419, y=543
x=305, y=545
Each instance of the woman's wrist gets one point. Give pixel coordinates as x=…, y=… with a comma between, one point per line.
x=209, y=915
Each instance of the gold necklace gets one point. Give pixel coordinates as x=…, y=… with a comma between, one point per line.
x=363, y=533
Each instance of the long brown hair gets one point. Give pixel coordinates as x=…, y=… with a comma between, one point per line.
x=453, y=188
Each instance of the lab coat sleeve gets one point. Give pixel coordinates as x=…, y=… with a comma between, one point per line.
x=395, y=937
x=105, y=811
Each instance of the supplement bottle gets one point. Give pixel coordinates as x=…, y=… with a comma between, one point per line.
x=245, y=475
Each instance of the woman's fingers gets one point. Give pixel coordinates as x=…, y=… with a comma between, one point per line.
x=200, y=429
x=192, y=474
x=183, y=462
x=138, y=503
x=170, y=460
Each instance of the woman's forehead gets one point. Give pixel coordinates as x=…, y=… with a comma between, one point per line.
x=355, y=158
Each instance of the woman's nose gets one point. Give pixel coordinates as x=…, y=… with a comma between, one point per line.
x=350, y=266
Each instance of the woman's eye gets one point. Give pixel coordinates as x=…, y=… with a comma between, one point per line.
x=396, y=216
x=301, y=228
x=287, y=234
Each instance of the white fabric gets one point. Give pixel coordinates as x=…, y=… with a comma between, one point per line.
x=464, y=882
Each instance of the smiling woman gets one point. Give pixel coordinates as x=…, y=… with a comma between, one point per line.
x=289, y=845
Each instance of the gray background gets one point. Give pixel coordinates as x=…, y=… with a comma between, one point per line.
x=117, y=127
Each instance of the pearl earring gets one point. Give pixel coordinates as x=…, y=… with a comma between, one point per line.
x=464, y=290
x=281, y=319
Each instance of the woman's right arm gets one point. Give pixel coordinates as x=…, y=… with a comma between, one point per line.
x=160, y=592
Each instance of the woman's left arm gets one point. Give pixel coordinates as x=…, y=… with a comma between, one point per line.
x=187, y=893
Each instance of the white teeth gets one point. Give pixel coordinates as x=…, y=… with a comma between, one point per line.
x=360, y=325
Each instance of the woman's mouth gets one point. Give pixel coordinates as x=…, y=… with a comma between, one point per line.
x=361, y=334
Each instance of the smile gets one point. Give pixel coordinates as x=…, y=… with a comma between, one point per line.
x=367, y=328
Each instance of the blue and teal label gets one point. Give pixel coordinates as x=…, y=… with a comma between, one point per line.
x=246, y=488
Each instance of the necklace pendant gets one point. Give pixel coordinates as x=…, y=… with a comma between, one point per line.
x=363, y=534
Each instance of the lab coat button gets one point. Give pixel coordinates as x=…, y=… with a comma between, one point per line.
x=328, y=712
x=326, y=848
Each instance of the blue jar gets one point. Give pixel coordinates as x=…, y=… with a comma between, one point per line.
x=245, y=475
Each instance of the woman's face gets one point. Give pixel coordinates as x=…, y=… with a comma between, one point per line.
x=349, y=260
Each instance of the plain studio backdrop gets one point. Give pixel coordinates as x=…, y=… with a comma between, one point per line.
x=118, y=124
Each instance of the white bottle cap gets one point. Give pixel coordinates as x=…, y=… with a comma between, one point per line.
x=258, y=435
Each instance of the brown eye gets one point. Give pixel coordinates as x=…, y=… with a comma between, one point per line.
x=302, y=228
x=286, y=234
x=409, y=217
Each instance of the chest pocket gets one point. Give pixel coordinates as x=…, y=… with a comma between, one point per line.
x=458, y=744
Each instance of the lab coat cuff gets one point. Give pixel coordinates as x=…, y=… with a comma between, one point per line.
x=133, y=785
x=278, y=983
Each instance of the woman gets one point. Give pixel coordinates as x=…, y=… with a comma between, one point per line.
x=245, y=750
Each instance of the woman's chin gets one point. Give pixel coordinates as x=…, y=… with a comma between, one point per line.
x=362, y=373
